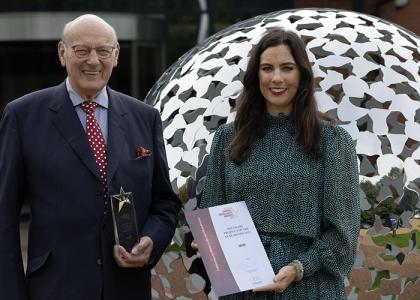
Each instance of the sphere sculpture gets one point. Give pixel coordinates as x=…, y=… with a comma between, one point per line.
x=367, y=75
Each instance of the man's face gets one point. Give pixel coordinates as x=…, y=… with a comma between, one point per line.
x=84, y=54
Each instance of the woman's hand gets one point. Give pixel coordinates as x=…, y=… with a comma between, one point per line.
x=281, y=281
x=195, y=246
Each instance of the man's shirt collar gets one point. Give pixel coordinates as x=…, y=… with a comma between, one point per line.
x=76, y=99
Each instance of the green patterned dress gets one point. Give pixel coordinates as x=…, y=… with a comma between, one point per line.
x=303, y=208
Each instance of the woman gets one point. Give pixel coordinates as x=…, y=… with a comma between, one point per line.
x=297, y=174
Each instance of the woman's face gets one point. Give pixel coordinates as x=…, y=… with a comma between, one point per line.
x=279, y=78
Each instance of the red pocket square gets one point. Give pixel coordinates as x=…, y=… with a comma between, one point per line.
x=142, y=153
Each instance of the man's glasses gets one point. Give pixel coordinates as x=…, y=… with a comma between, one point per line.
x=103, y=52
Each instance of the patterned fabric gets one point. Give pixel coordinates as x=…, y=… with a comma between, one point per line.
x=303, y=208
x=96, y=141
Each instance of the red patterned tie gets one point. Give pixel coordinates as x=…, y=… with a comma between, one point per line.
x=96, y=141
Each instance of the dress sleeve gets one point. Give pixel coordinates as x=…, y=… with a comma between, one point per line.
x=334, y=250
x=214, y=192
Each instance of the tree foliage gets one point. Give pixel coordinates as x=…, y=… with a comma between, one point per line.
x=389, y=205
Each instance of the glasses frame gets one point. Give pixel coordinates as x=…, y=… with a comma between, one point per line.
x=90, y=51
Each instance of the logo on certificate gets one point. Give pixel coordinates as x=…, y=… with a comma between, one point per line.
x=229, y=212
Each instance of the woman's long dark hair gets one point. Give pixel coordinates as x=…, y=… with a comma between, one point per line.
x=251, y=109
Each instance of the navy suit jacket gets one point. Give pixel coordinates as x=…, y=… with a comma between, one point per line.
x=46, y=160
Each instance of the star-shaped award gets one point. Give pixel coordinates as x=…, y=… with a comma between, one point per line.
x=124, y=219
x=123, y=198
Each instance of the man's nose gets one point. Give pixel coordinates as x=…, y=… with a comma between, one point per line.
x=93, y=57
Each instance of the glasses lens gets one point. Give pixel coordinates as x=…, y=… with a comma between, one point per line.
x=81, y=52
x=104, y=52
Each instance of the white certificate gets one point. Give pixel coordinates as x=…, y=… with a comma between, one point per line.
x=230, y=247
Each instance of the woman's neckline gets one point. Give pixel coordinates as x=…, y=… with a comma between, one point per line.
x=278, y=116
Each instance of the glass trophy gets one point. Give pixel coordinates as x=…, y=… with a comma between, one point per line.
x=124, y=219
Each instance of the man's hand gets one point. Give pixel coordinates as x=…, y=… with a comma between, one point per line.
x=281, y=281
x=139, y=256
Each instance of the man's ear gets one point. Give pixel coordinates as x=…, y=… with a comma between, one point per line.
x=117, y=53
x=61, y=48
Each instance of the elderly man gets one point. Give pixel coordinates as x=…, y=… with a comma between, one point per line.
x=65, y=150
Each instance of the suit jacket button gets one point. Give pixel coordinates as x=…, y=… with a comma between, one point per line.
x=99, y=262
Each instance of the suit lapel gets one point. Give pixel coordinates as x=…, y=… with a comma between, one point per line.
x=116, y=132
x=66, y=121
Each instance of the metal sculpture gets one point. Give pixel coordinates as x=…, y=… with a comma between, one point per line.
x=367, y=75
